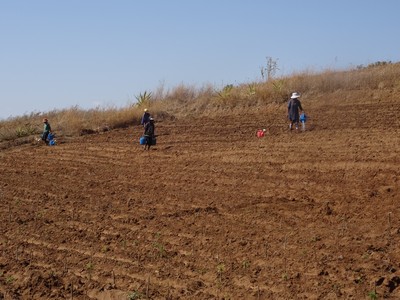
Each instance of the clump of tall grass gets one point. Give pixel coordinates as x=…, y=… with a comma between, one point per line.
x=189, y=100
x=70, y=122
x=75, y=121
x=374, y=76
x=21, y=126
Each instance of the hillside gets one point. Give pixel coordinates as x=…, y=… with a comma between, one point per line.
x=212, y=211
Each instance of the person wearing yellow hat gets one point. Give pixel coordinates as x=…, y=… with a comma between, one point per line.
x=145, y=117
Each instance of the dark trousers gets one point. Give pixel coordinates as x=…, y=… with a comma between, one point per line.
x=45, y=135
x=149, y=140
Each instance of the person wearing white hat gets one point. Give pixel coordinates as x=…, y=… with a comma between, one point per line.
x=294, y=105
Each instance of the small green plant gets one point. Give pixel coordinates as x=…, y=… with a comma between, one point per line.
x=105, y=249
x=285, y=276
x=252, y=89
x=39, y=214
x=10, y=279
x=315, y=238
x=359, y=280
x=366, y=255
x=373, y=295
x=220, y=270
x=279, y=89
x=143, y=99
x=225, y=92
x=245, y=264
x=134, y=295
x=160, y=248
x=89, y=268
x=202, y=271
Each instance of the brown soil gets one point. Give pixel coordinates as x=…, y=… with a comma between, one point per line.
x=212, y=211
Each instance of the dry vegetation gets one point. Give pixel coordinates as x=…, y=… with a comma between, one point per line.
x=186, y=101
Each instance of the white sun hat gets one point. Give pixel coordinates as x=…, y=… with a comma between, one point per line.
x=295, y=95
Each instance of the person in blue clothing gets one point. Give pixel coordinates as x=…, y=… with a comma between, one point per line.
x=145, y=117
x=294, y=106
x=46, y=130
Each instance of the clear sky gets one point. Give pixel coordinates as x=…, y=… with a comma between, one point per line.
x=56, y=54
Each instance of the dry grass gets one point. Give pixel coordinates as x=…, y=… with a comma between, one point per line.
x=186, y=101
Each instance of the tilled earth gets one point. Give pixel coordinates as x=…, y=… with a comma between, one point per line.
x=211, y=211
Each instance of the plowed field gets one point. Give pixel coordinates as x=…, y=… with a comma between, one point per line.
x=211, y=211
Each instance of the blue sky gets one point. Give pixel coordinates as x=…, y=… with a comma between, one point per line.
x=55, y=54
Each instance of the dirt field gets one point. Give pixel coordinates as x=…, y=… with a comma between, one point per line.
x=212, y=211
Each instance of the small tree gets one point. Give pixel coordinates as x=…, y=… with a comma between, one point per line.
x=269, y=71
